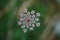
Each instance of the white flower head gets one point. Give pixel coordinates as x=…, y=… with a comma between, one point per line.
x=28, y=20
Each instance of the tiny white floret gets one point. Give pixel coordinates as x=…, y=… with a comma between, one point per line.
x=19, y=22
x=37, y=24
x=38, y=14
x=31, y=28
x=32, y=12
x=24, y=30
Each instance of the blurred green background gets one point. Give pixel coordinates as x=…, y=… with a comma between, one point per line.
x=9, y=29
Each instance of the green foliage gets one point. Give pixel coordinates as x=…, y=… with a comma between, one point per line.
x=3, y=3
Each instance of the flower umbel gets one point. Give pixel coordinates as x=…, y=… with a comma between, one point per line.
x=28, y=20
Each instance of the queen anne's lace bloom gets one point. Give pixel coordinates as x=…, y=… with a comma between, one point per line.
x=28, y=20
